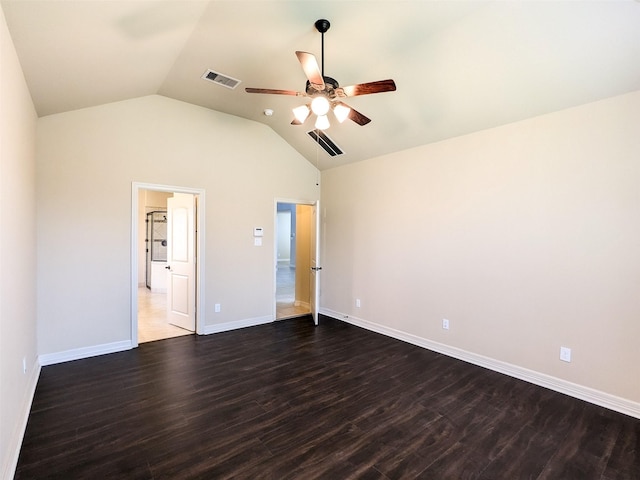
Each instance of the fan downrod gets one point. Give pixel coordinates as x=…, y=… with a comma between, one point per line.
x=322, y=25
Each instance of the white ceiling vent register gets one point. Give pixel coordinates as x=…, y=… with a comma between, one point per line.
x=220, y=79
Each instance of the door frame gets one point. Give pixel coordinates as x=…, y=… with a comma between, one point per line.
x=310, y=203
x=316, y=264
x=199, y=225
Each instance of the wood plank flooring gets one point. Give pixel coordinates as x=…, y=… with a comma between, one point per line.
x=289, y=400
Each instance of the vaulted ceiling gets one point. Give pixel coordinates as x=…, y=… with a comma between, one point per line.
x=459, y=66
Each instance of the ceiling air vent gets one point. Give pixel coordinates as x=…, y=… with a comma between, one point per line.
x=220, y=79
x=322, y=139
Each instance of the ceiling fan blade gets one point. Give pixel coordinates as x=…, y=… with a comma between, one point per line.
x=273, y=91
x=367, y=88
x=311, y=69
x=355, y=116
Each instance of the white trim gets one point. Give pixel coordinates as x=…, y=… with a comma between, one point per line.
x=84, y=352
x=236, y=324
x=316, y=262
x=200, y=260
x=17, y=436
x=292, y=201
x=581, y=392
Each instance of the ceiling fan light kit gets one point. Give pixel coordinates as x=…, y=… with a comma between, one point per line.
x=325, y=92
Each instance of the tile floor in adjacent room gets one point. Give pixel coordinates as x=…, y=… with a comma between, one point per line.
x=152, y=317
x=285, y=294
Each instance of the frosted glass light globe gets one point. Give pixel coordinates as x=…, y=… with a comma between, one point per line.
x=320, y=105
x=322, y=122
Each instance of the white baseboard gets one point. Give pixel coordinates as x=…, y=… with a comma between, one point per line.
x=84, y=352
x=298, y=303
x=247, y=322
x=581, y=392
x=15, y=442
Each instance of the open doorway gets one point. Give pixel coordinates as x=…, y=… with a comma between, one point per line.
x=293, y=260
x=164, y=230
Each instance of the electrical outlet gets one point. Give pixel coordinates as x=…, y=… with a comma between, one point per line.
x=358, y=303
x=565, y=354
x=216, y=308
x=445, y=324
x=24, y=364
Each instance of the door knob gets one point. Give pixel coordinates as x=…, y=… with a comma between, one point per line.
x=168, y=267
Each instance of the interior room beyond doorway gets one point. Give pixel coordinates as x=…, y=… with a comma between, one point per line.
x=293, y=260
x=153, y=322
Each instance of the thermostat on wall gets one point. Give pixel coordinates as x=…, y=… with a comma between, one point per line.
x=258, y=232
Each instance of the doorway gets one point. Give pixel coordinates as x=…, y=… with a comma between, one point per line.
x=152, y=295
x=293, y=260
x=154, y=276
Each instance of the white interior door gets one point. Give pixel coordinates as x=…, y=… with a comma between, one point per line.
x=314, y=287
x=181, y=280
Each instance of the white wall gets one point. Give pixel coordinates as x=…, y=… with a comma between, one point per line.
x=17, y=253
x=86, y=162
x=526, y=237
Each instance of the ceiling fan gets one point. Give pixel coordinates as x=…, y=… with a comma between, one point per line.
x=325, y=92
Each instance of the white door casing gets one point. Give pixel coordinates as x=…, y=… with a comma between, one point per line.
x=314, y=287
x=181, y=280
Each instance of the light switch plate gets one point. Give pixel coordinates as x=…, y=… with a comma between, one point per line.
x=565, y=354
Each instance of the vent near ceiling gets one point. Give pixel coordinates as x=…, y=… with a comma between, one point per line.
x=322, y=139
x=220, y=79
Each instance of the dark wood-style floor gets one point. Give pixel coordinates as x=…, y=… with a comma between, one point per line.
x=290, y=400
